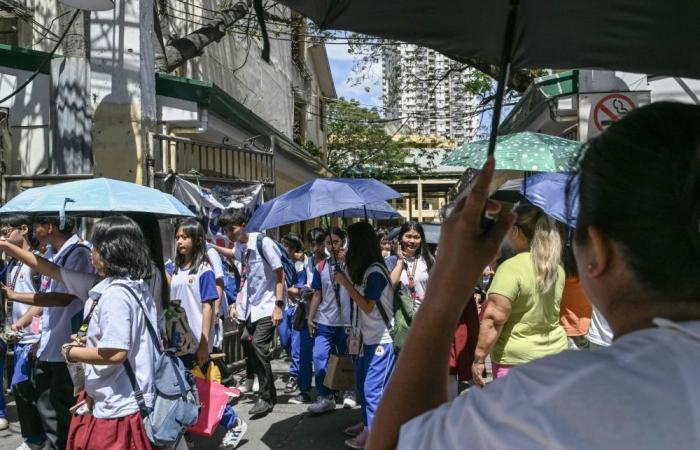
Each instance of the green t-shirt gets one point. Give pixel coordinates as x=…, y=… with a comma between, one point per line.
x=532, y=330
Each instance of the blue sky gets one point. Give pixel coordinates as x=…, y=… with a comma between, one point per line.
x=369, y=93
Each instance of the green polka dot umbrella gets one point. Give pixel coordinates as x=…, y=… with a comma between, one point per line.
x=526, y=151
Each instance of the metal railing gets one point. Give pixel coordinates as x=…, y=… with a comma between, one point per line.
x=180, y=155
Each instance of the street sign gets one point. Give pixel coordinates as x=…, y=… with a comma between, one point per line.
x=611, y=108
x=598, y=110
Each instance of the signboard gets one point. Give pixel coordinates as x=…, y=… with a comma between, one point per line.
x=598, y=110
x=209, y=203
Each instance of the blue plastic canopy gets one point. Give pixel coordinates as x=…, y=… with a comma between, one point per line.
x=96, y=198
x=548, y=192
x=321, y=197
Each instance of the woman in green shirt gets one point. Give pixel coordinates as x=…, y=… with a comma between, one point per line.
x=521, y=321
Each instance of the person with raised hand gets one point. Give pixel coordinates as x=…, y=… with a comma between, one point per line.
x=637, y=247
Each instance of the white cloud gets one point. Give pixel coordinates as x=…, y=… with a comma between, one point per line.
x=338, y=52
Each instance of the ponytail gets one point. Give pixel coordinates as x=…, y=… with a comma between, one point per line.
x=545, y=244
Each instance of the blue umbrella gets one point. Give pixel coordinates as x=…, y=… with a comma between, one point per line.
x=377, y=211
x=548, y=192
x=95, y=198
x=321, y=197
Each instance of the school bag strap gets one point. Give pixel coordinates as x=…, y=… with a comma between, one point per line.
x=380, y=307
x=138, y=393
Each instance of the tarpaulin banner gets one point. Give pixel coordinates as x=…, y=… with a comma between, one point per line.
x=210, y=202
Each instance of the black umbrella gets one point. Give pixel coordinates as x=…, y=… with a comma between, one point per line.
x=654, y=37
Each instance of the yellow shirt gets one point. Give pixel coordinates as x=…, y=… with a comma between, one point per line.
x=532, y=330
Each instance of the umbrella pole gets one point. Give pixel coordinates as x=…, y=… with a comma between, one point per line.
x=503, y=72
x=365, y=209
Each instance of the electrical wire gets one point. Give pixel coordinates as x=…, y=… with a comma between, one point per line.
x=45, y=61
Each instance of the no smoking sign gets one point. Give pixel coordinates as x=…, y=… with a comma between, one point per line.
x=611, y=108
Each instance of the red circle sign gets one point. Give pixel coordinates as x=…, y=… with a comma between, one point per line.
x=611, y=108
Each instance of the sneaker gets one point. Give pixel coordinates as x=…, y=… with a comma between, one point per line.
x=349, y=401
x=26, y=446
x=322, y=405
x=300, y=399
x=359, y=441
x=4, y=424
x=291, y=385
x=354, y=430
x=233, y=436
x=247, y=386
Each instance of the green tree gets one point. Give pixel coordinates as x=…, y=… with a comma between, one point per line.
x=360, y=146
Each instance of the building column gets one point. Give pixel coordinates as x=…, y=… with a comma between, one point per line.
x=420, y=199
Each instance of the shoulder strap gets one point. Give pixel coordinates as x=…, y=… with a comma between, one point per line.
x=259, y=246
x=380, y=307
x=70, y=250
x=138, y=393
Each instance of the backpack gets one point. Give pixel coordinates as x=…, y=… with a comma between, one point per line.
x=232, y=282
x=176, y=403
x=290, y=272
x=404, y=310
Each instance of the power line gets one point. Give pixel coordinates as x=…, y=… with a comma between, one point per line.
x=45, y=61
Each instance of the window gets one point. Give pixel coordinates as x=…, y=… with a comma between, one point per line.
x=9, y=31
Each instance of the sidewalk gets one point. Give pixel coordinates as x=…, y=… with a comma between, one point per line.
x=287, y=427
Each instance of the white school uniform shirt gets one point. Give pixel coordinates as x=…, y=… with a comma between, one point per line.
x=261, y=279
x=327, y=312
x=117, y=322
x=217, y=265
x=57, y=322
x=192, y=290
x=419, y=268
x=641, y=393
x=21, y=275
x=599, y=331
x=376, y=287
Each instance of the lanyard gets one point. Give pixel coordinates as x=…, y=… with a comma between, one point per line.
x=19, y=265
x=411, y=278
x=82, y=331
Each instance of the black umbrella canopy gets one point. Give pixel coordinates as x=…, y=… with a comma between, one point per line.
x=644, y=36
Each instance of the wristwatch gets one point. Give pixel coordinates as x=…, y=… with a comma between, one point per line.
x=279, y=303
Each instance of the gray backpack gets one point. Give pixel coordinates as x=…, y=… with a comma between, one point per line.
x=176, y=404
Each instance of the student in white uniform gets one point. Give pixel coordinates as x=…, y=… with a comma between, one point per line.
x=54, y=386
x=116, y=316
x=26, y=319
x=262, y=280
x=413, y=262
x=370, y=288
x=329, y=315
x=193, y=284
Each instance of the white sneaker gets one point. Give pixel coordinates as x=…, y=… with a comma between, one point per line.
x=26, y=446
x=349, y=401
x=233, y=436
x=4, y=424
x=322, y=405
x=248, y=386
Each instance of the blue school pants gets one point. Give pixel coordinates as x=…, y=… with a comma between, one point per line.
x=328, y=340
x=285, y=331
x=373, y=371
x=302, y=358
x=3, y=408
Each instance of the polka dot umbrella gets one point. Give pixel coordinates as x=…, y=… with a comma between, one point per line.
x=526, y=152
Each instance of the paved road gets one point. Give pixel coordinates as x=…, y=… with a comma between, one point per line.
x=288, y=427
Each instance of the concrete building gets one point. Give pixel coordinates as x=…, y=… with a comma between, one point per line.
x=425, y=87
x=226, y=116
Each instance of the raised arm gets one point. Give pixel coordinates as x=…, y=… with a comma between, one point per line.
x=36, y=262
x=424, y=360
x=37, y=298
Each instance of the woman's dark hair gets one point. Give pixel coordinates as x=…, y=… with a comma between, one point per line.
x=423, y=250
x=639, y=184
x=335, y=231
x=316, y=235
x=567, y=250
x=363, y=250
x=193, y=230
x=122, y=248
x=16, y=221
x=151, y=232
x=293, y=240
x=69, y=223
x=232, y=216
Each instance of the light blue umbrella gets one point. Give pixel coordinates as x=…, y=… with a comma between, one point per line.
x=377, y=211
x=321, y=197
x=547, y=191
x=96, y=198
